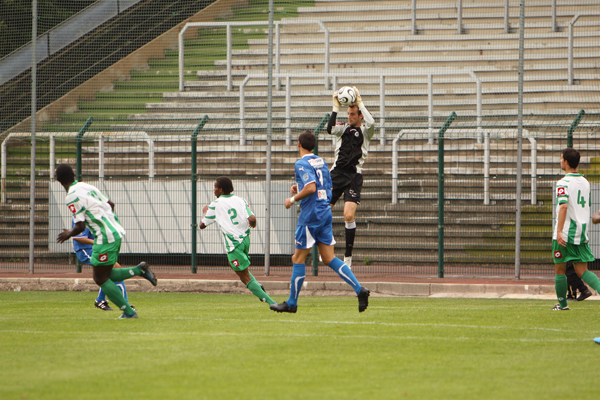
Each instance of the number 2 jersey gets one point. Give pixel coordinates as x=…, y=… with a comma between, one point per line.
x=574, y=190
x=315, y=208
x=231, y=213
x=89, y=205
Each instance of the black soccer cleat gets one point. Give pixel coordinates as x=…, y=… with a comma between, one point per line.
x=363, y=299
x=103, y=305
x=557, y=307
x=584, y=295
x=283, y=307
x=127, y=316
x=147, y=273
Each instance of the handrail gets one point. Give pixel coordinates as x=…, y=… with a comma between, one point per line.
x=228, y=26
x=334, y=76
x=570, y=64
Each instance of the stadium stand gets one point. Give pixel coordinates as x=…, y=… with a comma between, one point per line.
x=147, y=100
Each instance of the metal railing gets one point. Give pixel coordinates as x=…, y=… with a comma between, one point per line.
x=381, y=74
x=228, y=26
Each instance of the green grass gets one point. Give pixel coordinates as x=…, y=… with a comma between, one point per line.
x=55, y=345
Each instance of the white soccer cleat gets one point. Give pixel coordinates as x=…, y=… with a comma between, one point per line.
x=348, y=261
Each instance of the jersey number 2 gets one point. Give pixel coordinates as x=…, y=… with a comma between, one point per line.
x=233, y=215
x=320, y=176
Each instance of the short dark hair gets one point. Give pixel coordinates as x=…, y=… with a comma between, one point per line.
x=571, y=156
x=65, y=174
x=358, y=108
x=224, y=183
x=307, y=140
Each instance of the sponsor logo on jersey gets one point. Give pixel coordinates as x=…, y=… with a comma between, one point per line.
x=235, y=263
x=340, y=123
x=560, y=191
x=557, y=254
x=305, y=177
x=301, y=169
x=103, y=257
x=316, y=162
x=72, y=208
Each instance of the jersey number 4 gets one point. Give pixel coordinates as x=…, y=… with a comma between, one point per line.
x=580, y=199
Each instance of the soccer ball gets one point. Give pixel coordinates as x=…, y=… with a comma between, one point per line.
x=346, y=96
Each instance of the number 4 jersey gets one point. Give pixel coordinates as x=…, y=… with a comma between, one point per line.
x=231, y=213
x=315, y=208
x=574, y=190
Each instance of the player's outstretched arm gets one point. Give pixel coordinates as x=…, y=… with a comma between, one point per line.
x=334, y=112
x=368, y=118
x=66, y=234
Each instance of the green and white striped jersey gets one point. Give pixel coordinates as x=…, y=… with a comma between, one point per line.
x=231, y=213
x=574, y=190
x=89, y=205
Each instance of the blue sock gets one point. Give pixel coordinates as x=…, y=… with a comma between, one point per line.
x=298, y=275
x=101, y=296
x=345, y=273
x=121, y=285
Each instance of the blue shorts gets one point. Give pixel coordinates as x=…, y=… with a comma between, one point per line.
x=307, y=236
x=84, y=256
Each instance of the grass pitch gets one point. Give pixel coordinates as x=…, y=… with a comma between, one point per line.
x=56, y=345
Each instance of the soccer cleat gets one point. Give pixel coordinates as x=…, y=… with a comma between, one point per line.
x=283, y=307
x=147, y=273
x=103, y=305
x=132, y=307
x=348, y=261
x=363, y=299
x=127, y=316
x=570, y=296
x=557, y=307
x=597, y=340
x=584, y=295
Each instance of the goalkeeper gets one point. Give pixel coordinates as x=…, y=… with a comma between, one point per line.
x=352, y=146
x=235, y=218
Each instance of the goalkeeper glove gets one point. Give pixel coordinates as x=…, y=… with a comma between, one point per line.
x=358, y=102
x=336, y=102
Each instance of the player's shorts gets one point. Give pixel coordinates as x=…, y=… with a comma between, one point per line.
x=106, y=254
x=307, y=236
x=238, y=257
x=348, y=183
x=576, y=253
x=85, y=256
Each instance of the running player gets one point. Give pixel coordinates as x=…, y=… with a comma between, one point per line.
x=313, y=191
x=352, y=146
x=235, y=218
x=83, y=246
x=92, y=209
x=570, y=237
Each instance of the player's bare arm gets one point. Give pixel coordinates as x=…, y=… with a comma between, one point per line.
x=112, y=205
x=305, y=192
x=84, y=240
x=294, y=189
x=252, y=221
x=66, y=233
x=562, y=216
x=596, y=218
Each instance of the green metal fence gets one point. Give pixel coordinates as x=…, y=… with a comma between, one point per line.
x=160, y=175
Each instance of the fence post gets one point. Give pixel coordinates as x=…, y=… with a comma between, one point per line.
x=194, y=178
x=79, y=137
x=315, y=251
x=572, y=128
x=441, y=193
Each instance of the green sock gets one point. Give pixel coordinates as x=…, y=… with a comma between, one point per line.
x=120, y=274
x=255, y=288
x=561, y=286
x=115, y=295
x=591, y=279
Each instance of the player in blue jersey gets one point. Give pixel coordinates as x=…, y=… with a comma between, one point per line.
x=313, y=191
x=83, y=245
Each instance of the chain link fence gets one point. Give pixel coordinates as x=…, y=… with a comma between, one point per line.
x=161, y=98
